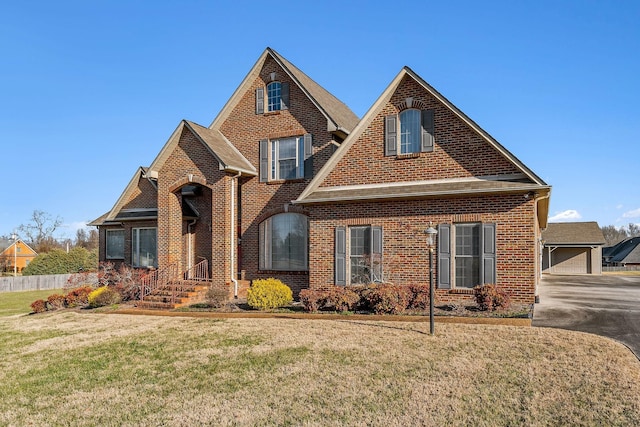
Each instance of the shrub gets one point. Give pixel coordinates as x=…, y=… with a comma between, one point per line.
x=344, y=299
x=491, y=297
x=78, y=296
x=102, y=296
x=39, y=306
x=387, y=298
x=56, y=301
x=217, y=297
x=265, y=294
x=58, y=261
x=419, y=297
x=125, y=280
x=312, y=300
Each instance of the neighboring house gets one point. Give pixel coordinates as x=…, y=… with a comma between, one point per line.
x=572, y=248
x=622, y=254
x=17, y=254
x=288, y=183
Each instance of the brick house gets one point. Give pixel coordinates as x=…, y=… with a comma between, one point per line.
x=286, y=182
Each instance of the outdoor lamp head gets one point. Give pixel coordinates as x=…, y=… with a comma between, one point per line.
x=431, y=235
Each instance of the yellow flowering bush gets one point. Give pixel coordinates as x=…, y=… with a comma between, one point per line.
x=266, y=294
x=102, y=296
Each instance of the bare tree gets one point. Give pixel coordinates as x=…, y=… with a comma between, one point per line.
x=39, y=232
x=613, y=235
x=633, y=229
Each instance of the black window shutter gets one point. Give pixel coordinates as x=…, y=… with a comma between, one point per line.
x=390, y=135
x=284, y=95
x=427, y=130
x=260, y=100
x=444, y=256
x=376, y=254
x=308, y=155
x=341, y=256
x=264, y=160
x=488, y=253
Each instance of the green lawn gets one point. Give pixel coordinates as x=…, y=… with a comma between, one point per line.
x=77, y=368
x=12, y=303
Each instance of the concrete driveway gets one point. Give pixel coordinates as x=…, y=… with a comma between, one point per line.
x=606, y=305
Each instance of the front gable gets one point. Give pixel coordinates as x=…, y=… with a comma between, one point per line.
x=451, y=154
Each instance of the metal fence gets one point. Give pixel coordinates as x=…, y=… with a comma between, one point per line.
x=33, y=283
x=625, y=268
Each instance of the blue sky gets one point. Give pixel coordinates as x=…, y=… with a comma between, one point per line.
x=90, y=90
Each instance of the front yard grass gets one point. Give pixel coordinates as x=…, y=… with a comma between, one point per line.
x=12, y=303
x=83, y=368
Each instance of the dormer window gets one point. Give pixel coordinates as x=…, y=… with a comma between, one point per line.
x=416, y=132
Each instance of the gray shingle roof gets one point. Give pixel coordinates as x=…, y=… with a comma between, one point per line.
x=222, y=148
x=573, y=234
x=625, y=252
x=334, y=108
x=412, y=190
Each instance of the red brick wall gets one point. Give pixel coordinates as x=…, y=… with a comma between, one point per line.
x=405, y=256
x=459, y=152
x=259, y=200
x=212, y=229
x=144, y=196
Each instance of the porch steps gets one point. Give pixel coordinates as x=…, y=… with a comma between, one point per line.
x=186, y=292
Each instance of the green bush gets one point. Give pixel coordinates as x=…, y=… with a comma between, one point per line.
x=39, y=306
x=217, y=297
x=491, y=297
x=58, y=261
x=266, y=294
x=104, y=295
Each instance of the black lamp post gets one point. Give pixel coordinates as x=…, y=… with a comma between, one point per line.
x=431, y=241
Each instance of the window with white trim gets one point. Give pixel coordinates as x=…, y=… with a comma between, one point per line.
x=358, y=255
x=466, y=255
x=114, y=244
x=144, y=247
x=274, y=97
x=284, y=242
x=415, y=129
x=277, y=97
x=286, y=158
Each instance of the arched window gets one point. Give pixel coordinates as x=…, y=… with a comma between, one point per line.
x=274, y=96
x=284, y=242
x=410, y=131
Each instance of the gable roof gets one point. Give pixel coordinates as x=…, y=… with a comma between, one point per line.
x=223, y=151
x=339, y=117
x=525, y=181
x=141, y=172
x=573, y=234
x=11, y=244
x=626, y=251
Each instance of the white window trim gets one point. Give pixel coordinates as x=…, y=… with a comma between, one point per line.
x=274, y=158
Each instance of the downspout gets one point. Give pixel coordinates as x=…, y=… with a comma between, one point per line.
x=233, y=234
x=536, y=293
